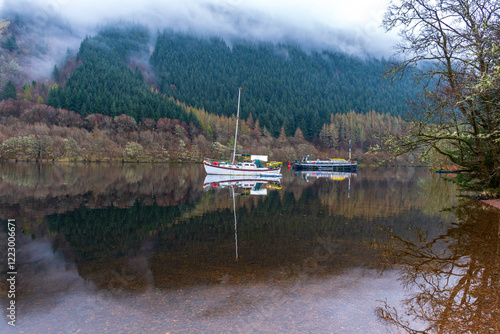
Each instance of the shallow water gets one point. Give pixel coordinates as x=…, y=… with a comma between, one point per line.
x=151, y=248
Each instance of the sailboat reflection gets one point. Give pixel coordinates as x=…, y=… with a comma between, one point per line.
x=250, y=185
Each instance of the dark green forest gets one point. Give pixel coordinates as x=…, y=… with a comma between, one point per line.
x=171, y=96
x=104, y=84
x=283, y=84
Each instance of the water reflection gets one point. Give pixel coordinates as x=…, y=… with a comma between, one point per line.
x=35, y=190
x=334, y=176
x=250, y=185
x=455, y=276
x=163, y=237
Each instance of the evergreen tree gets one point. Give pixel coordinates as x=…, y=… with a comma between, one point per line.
x=9, y=91
x=11, y=44
x=55, y=74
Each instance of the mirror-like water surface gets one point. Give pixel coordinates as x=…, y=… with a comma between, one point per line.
x=162, y=248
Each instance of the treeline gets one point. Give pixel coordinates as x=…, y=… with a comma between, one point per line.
x=41, y=132
x=283, y=85
x=106, y=104
x=30, y=131
x=364, y=130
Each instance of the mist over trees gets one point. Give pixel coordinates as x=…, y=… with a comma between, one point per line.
x=122, y=99
x=103, y=83
x=283, y=85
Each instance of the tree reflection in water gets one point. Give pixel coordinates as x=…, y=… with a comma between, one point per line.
x=453, y=279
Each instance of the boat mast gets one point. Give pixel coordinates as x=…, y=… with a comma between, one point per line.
x=237, y=117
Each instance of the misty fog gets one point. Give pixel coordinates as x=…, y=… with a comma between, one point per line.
x=314, y=25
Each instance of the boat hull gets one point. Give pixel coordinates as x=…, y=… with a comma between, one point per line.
x=237, y=170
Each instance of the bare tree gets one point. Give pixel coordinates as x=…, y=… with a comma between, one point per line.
x=453, y=44
x=454, y=278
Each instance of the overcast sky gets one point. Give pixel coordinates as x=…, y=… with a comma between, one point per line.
x=352, y=26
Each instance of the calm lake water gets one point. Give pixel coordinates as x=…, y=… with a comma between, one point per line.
x=142, y=248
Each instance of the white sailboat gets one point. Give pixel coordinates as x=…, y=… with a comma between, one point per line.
x=253, y=167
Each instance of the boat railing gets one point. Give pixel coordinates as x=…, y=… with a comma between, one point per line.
x=216, y=161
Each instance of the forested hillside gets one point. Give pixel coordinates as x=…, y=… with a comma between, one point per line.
x=283, y=85
x=103, y=83
x=122, y=99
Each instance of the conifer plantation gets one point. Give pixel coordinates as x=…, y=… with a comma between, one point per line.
x=129, y=96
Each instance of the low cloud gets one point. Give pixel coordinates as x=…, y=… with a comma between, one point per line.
x=352, y=27
x=314, y=25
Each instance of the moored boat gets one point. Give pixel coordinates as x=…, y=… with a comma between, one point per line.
x=252, y=166
x=341, y=165
x=330, y=164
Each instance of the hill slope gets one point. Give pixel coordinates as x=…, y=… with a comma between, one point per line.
x=284, y=85
x=103, y=83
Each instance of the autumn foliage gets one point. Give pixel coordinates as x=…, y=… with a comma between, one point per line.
x=30, y=131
